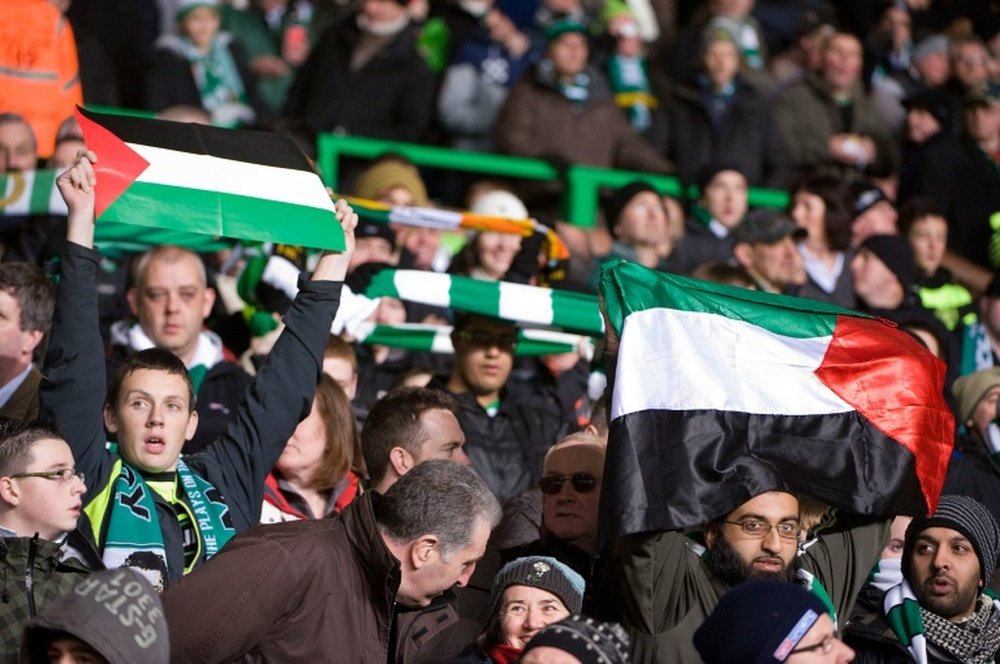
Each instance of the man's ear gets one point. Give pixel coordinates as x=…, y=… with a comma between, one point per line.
x=209, y=303
x=711, y=533
x=401, y=460
x=132, y=296
x=192, y=425
x=742, y=254
x=424, y=550
x=8, y=492
x=110, y=418
x=31, y=342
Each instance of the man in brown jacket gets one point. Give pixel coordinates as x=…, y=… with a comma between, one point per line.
x=327, y=590
x=26, y=302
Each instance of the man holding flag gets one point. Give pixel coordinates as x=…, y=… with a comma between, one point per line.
x=146, y=506
x=727, y=405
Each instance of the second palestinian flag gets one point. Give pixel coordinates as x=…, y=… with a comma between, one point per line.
x=722, y=393
x=238, y=184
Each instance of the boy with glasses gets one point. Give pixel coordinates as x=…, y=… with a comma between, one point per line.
x=40, y=501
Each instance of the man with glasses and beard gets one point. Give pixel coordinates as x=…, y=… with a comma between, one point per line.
x=770, y=536
x=939, y=612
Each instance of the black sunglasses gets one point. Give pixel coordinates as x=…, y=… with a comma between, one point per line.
x=581, y=482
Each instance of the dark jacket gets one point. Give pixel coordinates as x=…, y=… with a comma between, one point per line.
x=169, y=81
x=807, y=116
x=25, y=560
x=330, y=587
x=237, y=463
x=965, y=183
x=537, y=120
x=391, y=96
x=746, y=136
x=507, y=449
x=874, y=642
x=666, y=590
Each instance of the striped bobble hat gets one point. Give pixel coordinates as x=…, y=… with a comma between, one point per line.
x=969, y=517
x=590, y=641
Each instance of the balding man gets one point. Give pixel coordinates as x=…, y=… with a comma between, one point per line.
x=170, y=300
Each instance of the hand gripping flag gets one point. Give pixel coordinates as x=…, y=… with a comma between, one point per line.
x=722, y=393
x=221, y=182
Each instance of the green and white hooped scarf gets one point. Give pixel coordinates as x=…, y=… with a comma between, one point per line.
x=903, y=613
x=132, y=536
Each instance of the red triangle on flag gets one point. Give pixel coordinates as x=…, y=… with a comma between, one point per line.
x=118, y=165
x=896, y=384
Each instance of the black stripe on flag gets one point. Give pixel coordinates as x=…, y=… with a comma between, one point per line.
x=667, y=470
x=255, y=147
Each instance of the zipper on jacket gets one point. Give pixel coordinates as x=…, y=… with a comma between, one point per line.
x=29, y=575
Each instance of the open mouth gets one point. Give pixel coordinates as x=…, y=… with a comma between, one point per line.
x=154, y=445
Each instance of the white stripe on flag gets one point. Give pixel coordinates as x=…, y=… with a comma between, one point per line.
x=525, y=303
x=682, y=360
x=427, y=287
x=204, y=172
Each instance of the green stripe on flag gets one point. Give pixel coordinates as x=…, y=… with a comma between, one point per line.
x=41, y=192
x=628, y=288
x=243, y=218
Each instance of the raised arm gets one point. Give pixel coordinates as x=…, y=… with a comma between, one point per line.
x=74, y=383
x=282, y=393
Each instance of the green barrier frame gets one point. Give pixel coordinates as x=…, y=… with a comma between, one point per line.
x=583, y=183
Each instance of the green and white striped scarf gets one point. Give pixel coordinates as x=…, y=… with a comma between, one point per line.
x=519, y=303
x=902, y=612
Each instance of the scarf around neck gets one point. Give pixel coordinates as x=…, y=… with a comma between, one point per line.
x=132, y=536
x=974, y=641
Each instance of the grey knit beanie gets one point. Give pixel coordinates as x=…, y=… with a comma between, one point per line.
x=969, y=517
x=540, y=572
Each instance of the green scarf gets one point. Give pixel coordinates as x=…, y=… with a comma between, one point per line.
x=902, y=612
x=215, y=74
x=630, y=82
x=126, y=514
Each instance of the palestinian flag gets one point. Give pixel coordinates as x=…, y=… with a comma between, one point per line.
x=437, y=339
x=519, y=303
x=225, y=183
x=722, y=393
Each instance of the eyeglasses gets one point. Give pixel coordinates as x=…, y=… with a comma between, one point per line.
x=581, y=482
x=482, y=339
x=63, y=475
x=825, y=646
x=760, y=529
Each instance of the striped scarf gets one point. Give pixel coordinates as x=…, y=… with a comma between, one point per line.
x=975, y=641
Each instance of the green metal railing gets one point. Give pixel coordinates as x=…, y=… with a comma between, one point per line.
x=583, y=183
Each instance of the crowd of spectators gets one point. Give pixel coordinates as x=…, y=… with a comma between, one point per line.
x=280, y=488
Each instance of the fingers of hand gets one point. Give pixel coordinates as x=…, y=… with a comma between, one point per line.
x=346, y=216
